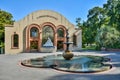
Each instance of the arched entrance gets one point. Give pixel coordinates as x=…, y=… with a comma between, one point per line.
x=49, y=31
x=61, y=34
x=33, y=40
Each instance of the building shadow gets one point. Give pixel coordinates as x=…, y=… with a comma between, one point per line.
x=86, y=77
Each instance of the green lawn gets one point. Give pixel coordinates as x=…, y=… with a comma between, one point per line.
x=89, y=48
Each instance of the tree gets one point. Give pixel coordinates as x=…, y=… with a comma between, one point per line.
x=112, y=8
x=83, y=27
x=107, y=16
x=79, y=24
x=107, y=36
x=5, y=18
x=87, y=36
x=94, y=21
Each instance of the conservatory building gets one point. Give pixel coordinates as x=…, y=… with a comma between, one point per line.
x=41, y=31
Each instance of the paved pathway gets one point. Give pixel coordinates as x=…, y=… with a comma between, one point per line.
x=10, y=68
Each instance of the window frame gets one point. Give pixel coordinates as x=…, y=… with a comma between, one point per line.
x=33, y=33
x=59, y=35
x=13, y=41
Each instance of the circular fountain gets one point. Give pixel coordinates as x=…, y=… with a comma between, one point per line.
x=69, y=62
x=78, y=64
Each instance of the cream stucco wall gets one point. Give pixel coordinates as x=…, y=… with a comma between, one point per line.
x=37, y=17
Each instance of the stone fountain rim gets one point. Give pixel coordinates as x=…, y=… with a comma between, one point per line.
x=57, y=68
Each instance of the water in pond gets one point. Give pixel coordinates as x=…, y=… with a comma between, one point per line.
x=80, y=63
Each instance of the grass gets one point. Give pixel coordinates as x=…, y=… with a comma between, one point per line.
x=92, y=47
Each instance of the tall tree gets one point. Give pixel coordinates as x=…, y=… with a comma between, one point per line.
x=112, y=8
x=95, y=20
x=5, y=18
x=108, y=15
x=95, y=17
x=81, y=25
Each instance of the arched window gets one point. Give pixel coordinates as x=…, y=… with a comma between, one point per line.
x=60, y=32
x=15, y=41
x=47, y=33
x=34, y=32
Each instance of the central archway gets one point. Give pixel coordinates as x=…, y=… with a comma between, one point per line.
x=49, y=30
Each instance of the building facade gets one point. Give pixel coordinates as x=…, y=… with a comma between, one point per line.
x=32, y=32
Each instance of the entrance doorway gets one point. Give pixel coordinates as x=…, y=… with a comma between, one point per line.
x=60, y=45
x=33, y=46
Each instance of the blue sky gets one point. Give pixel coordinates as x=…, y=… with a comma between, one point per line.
x=71, y=9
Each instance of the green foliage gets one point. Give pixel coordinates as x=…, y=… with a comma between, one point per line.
x=79, y=24
x=112, y=9
x=89, y=47
x=107, y=36
x=86, y=36
x=102, y=26
x=5, y=18
x=34, y=45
